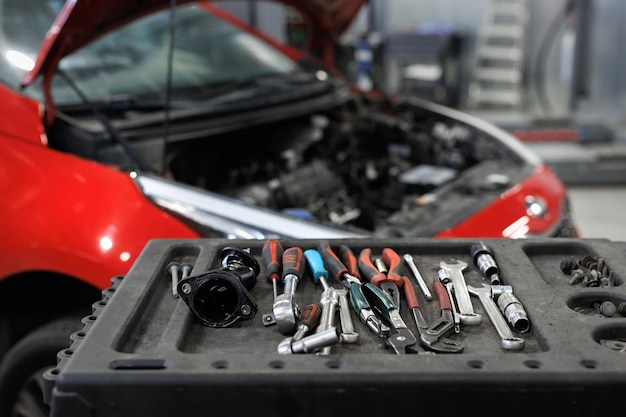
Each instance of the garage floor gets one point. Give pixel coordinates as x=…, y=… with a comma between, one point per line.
x=600, y=210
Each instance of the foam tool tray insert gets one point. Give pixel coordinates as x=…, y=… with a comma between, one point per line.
x=143, y=353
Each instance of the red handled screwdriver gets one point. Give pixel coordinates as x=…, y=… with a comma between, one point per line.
x=309, y=317
x=272, y=254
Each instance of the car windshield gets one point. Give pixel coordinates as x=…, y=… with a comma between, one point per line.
x=132, y=61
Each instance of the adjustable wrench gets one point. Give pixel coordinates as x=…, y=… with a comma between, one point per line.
x=508, y=340
x=466, y=310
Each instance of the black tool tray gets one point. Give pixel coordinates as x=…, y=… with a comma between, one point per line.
x=142, y=352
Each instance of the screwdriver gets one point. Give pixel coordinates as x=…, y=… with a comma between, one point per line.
x=336, y=267
x=309, y=317
x=293, y=267
x=272, y=254
x=316, y=265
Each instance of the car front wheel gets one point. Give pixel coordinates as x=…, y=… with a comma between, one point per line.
x=21, y=371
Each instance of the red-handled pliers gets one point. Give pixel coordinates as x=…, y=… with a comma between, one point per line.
x=392, y=281
x=433, y=337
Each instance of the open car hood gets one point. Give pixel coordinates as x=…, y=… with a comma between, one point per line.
x=82, y=21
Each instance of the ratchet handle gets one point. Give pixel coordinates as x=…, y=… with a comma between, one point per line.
x=349, y=260
x=272, y=254
x=334, y=265
x=393, y=260
x=442, y=296
x=409, y=293
x=293, y=262
x=367, y=268
x=316, y=264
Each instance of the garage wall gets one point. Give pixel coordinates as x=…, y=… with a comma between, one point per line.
x=607, y=92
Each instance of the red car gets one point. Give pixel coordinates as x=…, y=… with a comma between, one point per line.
x=131, y=122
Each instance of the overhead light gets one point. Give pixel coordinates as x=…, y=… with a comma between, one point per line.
x=20, y=60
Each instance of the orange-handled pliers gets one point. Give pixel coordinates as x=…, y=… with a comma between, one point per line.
x=390, y=282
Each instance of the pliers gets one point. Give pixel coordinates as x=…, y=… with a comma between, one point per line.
x=431, y=337
x=390, y=282
x=348, y=274
x=403, y=341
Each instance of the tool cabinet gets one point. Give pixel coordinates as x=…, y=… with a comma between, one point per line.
x=142, y=352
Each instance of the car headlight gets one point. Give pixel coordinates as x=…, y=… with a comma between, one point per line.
x=216, y=214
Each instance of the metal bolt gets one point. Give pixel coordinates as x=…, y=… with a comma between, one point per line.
x=621, y=308
x=246, y=309
x=186, y=288
x=567, y=265
x=174, y=269
x=594, y=279
x=606, y=308
x=578, y=275
x=611, y=278
x=186, y=270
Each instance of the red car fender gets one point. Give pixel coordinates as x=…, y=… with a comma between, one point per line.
x=72, y=216
x=495, y=219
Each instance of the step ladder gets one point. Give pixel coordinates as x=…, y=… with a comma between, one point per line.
x=498, y=73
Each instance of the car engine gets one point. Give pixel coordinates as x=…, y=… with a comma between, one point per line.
x=357, y=168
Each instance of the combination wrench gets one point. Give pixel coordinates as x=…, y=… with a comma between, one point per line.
x=508, y=340
x=333, y=299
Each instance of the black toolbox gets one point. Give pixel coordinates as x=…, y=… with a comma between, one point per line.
x=143, y=353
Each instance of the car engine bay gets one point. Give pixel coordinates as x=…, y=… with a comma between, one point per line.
x=360, y=168
x=391, y=169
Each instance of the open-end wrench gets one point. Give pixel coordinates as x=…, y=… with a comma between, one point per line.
x=508, y=340
x=466, y=310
